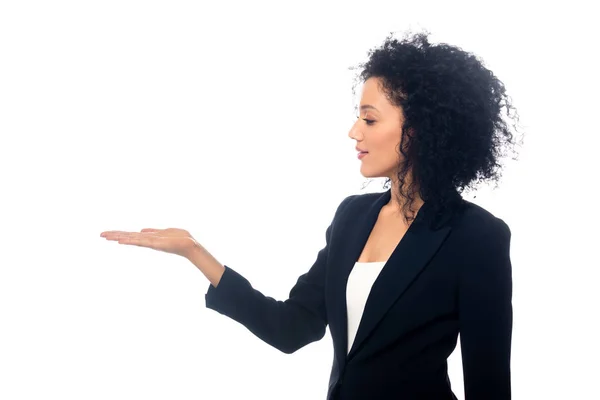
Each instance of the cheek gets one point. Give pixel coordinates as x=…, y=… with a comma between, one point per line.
x=385, y=144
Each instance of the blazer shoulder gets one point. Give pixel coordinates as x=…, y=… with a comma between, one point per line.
x=355, y=203
x=476, y=220
x=343, y=206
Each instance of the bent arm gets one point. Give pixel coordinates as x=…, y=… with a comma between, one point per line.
x=286, y=325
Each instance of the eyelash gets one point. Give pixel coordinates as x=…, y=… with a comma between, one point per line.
x=368, y=121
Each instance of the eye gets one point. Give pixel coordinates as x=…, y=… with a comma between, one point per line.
x=369, y=121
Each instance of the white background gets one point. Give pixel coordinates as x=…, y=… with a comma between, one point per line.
x=230, y=120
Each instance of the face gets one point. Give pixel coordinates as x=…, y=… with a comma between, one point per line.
x=377, y=130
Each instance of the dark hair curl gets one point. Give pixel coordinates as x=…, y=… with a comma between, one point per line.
x=453, y=133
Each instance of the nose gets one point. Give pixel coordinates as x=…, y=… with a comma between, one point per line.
x=354, y=131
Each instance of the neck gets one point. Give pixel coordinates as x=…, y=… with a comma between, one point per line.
x=395, y=203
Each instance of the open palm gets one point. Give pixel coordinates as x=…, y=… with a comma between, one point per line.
x=171, y=240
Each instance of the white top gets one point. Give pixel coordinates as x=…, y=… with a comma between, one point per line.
x=360, y=281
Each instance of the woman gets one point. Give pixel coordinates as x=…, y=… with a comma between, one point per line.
x=429, y=263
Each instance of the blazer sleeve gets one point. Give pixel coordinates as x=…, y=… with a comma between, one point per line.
x=486, y=316
x=286, y=325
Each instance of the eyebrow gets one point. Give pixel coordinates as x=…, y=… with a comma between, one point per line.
x=368, y=106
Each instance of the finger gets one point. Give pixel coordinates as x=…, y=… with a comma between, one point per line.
x=138, y=241
x=150, y=230
x=113, y=233
x=118, y=235
x=130, y=241
x=105, y=233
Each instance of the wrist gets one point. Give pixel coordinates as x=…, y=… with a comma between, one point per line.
x=206, y=263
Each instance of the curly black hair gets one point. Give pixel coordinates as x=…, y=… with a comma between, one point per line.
x=453, y=132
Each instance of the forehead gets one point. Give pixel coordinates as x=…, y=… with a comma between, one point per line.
x=373, y=95
x=371, y=88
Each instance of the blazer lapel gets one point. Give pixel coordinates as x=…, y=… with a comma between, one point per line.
x=410, y=256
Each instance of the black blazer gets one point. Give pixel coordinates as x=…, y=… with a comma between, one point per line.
x=450, y=273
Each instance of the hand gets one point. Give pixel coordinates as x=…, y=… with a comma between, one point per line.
x=171, y=240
